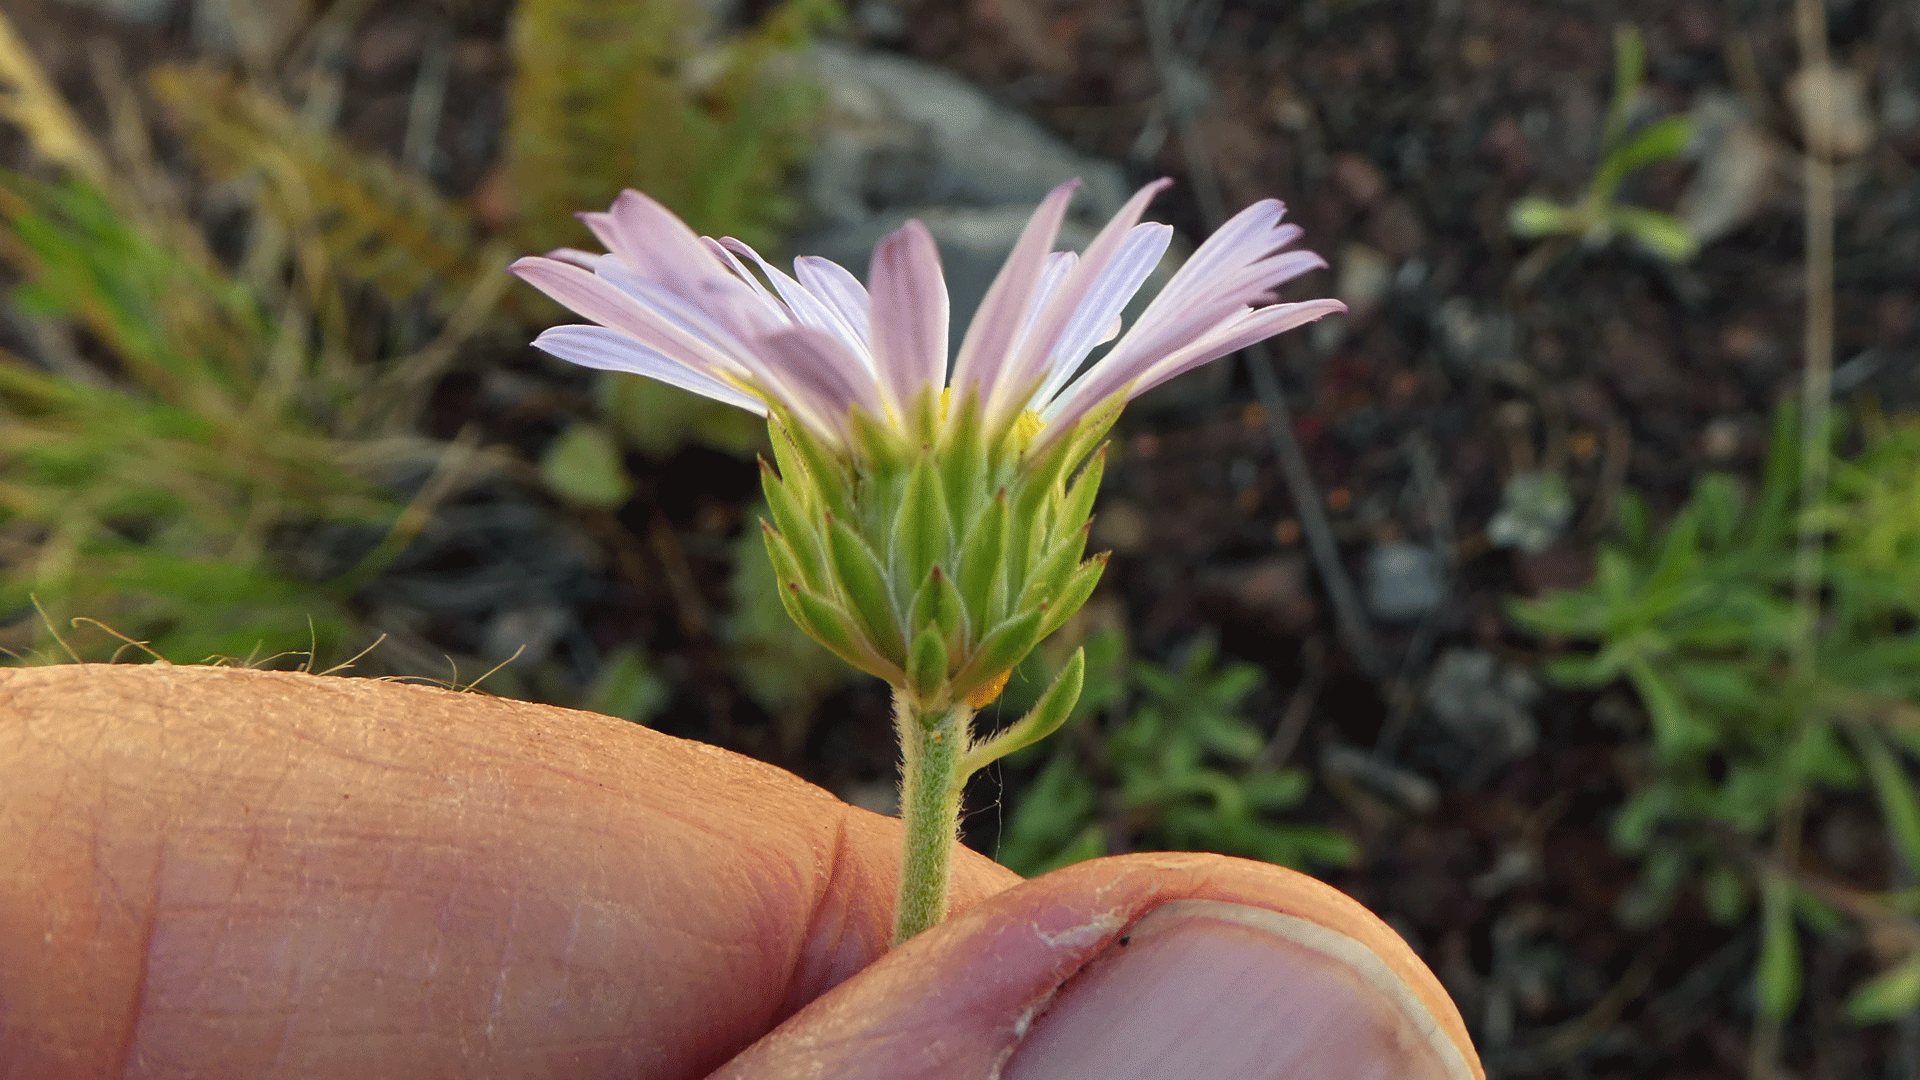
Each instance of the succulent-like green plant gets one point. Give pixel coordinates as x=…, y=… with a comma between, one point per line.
x=1172, y=764
x=1699, y=618
x=1597, y=218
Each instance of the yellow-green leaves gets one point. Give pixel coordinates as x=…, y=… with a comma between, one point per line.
x=1042, y=720
x=809, y=562
x=1776, y=979
x=922, y=526
x=981, y=568
x=583, y=466
x=938, y=566
x=1888, y=996
x=927, y=664
x=863, y=582
x=938, y=604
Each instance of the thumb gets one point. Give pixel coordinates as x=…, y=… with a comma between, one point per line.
x=1155, y=965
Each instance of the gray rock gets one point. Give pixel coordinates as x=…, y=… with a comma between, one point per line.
x=1485, y=704
x=1406, y=791
x=248, y=28
x=900, y=133
x=1476, y=341
x=903, y=139
x=1739, y=166
x=1535, y=507
x=1403, y=581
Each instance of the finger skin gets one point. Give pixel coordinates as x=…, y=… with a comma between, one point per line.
x=954, y=1001
x=220, y=872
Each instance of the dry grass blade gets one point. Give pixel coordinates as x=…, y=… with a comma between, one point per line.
x=1810, y=24
x=376, y=222
x=27, y=98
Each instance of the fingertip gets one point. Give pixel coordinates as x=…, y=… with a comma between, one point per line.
x=1042, y=965
x=1203, y=988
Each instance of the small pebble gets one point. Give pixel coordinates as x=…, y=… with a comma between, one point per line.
x=1403, y=581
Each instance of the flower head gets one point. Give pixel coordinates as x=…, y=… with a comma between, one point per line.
x=930, y=530
x=819, y=346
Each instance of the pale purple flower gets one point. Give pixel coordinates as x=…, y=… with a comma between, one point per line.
x=690, y=311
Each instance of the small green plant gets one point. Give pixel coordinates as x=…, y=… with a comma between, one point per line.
x=1179, y=769
x=1597, y=218
x=158, y=498
x=239, y=405
x=1699, y=618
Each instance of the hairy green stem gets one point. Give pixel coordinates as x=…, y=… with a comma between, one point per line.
x=931, y=747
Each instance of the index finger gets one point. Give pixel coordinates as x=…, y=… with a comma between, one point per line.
x=249, y=873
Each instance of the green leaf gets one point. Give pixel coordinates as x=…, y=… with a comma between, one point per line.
x=1053, y=825
x=1074, y=593
x=1616, y=579
x=1278, y=789
x=1662, y=140
x=863, y=585
x=1816, y=914
x=1629, y=62
x=1780, y=489
x=922, y=529
x=794, y=474
x=938, y=603
x=583, y=466
x=1818, y=756
x=1050, y=575
x=1676, y=732
x=786, y=568
x=927, y=664
x=874, y=444
x=1042, y=720
x=799, y=531
x=1091, y=430
x=1890, y=995
x=1630, y=517
x=1661, y=874
x=1677, y=563
x=964, y=461
x=780, y=666
x=1002, y=648
x=1079, y=503
x=1533, y=217
x=1893, y=787
x=628, y=687
x=981, y=574
x=1660, y=233
x=1634, y=826
x=827, y=485
x=1725, y=893
x=835, y=629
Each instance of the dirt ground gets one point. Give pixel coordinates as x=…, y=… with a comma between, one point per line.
x=1399, y=132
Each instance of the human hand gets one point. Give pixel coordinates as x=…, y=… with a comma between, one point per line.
x=228, y=873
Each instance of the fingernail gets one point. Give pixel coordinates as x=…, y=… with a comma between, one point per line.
x=1206, y=989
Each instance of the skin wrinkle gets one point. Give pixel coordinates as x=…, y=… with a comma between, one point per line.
x=143, y=953
x=822, y=962
x=112, y=794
